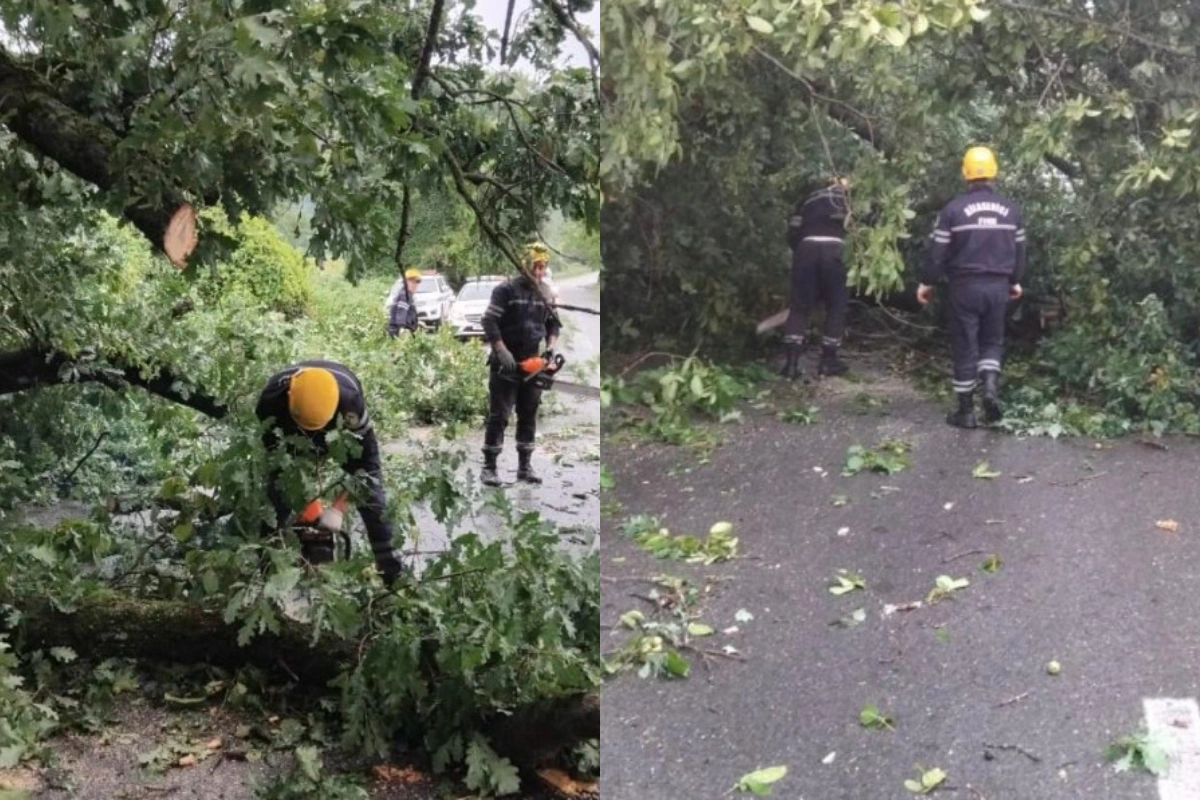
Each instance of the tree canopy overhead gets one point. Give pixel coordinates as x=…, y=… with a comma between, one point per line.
x=718, y=117
x=154, y=103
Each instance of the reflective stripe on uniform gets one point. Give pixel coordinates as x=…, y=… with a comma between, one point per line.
x=978, y=227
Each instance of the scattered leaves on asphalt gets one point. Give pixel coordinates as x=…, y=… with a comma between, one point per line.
x=991, y=563
x=1168, y=525
x=743, y=615
x=846, y=582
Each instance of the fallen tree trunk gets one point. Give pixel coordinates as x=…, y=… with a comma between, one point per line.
x=117, y=625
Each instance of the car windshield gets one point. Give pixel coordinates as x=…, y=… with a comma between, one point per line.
x=476, y=291
x=427, y=286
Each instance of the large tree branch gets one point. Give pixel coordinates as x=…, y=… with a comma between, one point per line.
x=31, y=368
x=435, y=22
x=30, y=108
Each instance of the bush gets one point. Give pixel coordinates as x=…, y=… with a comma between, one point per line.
x=264, y=267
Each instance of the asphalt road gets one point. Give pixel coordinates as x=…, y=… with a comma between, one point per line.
x=1087, y=579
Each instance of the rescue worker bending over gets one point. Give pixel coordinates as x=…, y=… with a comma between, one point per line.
x=310, y=399
x=515, y=323
x=978, y=244
x=401, y=306
x=816, y=232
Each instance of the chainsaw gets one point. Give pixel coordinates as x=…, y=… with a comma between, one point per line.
x=317, y=543
x=540, y=371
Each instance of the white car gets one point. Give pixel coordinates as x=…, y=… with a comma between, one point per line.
x=473, y=298
x=433, y=299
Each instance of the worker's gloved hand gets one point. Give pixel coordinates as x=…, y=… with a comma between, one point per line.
x=505, y=359
x=330, y=520
x=389, y=566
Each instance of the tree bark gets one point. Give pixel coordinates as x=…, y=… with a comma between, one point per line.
x=32, y=367
x=116, y=625
x=32, y=110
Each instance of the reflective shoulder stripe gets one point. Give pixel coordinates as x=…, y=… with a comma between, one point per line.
x=822, y=239
x=977, y=227
x=796, y=221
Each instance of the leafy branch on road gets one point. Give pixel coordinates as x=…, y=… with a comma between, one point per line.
x=719, y=545
x=889, y=457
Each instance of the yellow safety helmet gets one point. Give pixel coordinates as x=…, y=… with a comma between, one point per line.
x=313, y=398
x=979, y=164
x=412, y=274
x=536, y=252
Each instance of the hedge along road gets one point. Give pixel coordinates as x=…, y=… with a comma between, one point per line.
x=1087, y=578
x=568, y=442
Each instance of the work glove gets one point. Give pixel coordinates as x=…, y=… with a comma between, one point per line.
x=506, y=360
x=330, y=520
x=390, y=568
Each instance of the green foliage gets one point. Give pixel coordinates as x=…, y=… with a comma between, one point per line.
x=653, y=648
x=719, y=545
x=889, y=456
x=309, y=779
x=1139, y=751
x=263, y=268
x=673, y=394
x=510, y=629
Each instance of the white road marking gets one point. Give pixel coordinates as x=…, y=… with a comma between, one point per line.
x=1176, y=722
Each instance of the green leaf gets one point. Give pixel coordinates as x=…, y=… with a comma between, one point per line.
x=632, y=619
x=676, y=664
x=914, y=786
x=932, y=778
x=759, y=24
x=309, y=760
x=895, y=37
x=64, y=655
x=991, y=563
x=699, y=629
x=759, y=782
x=983, y=471
x=979, y=14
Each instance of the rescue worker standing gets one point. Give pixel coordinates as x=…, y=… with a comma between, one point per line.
x=514, y=325
x=310, y=399
x=978, y=245
x=816, y=232
x=402, y=307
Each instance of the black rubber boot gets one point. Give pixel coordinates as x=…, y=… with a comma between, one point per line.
x=525, y=471
x=964, y=417
x=791, y=365
x=488, y=476
x=991, y=396
x=830, y=363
